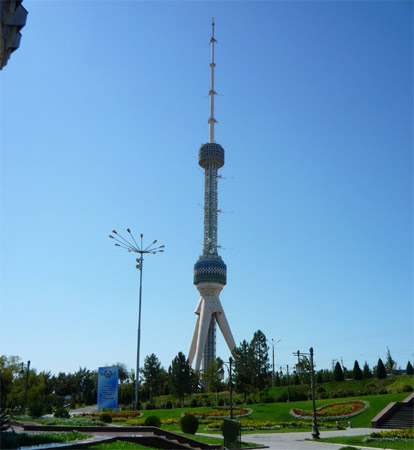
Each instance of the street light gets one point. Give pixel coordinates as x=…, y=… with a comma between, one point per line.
x=273, y=343
x=221, y=373
x=132, y=246
x=287, y=377
x=300, y=369
x=26, y=382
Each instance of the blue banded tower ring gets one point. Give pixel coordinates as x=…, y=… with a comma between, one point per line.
x=210, y=272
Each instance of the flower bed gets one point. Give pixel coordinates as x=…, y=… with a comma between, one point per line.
x=333, y=411
x=406, y=435
x=254, y=424
x=116, y=415
x=220, y=413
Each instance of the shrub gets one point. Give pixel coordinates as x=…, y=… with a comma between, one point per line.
x=153, y=421
x=189, y=424
x=62, y=413
x=4, y=420
x=193, y=403
x=36, y=408
x=168, y=405
x=407, y=388
x=105, y=418
x=221, y=402
x=150, y=405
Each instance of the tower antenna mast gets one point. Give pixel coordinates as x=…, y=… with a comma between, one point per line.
x=212, y=93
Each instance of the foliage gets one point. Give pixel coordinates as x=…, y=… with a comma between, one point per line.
x=357, y=372
x=409, y=370
x=153, y=421
x=180, y=376
x=220, y=412
x=62, y=413
x=154, y=375
x=380, y=370
x=4, y=420
x=390, y=364
x=366, y=371
x=189, y=424
x=338, y=374
x=13, y=440
x=260, y=360
x=407, y=433
x=36, y=408
x=211, y=376
x=105, y=417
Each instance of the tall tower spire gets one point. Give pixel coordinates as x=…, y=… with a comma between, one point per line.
x=212, y=93
x=210, y=272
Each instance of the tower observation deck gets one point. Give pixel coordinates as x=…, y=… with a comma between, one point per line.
x=210, y=271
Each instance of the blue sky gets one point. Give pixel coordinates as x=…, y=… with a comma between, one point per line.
x=103, y=109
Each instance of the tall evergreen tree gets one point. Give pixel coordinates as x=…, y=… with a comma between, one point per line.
x=260, y=363
x=357, y=372
x=380, y=371
x=243, y=369
x=409, y=370
x=151, y=372
x=390, y=364
x=338, y=373
x=180, y=376
x=366, y=371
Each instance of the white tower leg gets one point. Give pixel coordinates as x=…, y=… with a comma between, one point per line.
x=208, y=305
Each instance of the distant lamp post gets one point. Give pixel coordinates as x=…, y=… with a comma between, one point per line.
x=273, y=343
x=221, y=375
x=299, y=370
x=132, y=246
x=23, y=373
x=287, y=378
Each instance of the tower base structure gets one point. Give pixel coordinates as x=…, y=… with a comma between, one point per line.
x=209, y=310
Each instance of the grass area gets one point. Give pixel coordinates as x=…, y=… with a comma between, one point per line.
x=14, y=440
x=359, y=440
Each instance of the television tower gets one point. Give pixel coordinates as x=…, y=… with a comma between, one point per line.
x=210, y=272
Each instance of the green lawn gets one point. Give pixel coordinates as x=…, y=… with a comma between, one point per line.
x=119, y=445
x=359, y=440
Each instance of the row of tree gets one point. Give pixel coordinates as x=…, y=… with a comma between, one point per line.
x=251, y=373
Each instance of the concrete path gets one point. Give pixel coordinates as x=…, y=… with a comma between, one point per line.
x=297, y=441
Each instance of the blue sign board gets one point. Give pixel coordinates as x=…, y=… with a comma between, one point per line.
x=108, y=388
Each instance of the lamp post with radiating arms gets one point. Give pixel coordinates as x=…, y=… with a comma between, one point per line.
x=273, y=343
x=132, y=246
x=299, y=369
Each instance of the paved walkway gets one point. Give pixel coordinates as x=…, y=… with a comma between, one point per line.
x=297, y=441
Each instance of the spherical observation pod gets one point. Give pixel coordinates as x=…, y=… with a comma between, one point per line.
x=211, y=153
x=210, y=270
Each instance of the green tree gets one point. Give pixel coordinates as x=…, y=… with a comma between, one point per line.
x=380, y=371
x=338, y=375
x=260, y=361
x=180, y=376
x=409, y=369
x=357, y=372
x=366, y=371
x=211, y=376
x=152, y=374
x=243, y=362
x=390, y=364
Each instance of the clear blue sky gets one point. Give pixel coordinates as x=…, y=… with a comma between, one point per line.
x=103, y=109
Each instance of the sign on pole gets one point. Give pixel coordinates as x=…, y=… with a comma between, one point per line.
x=107, y=388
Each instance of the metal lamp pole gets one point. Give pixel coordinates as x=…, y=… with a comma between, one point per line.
x=315, y=431
x=287, y=379
x=26, y=382
x=228, y=365
x=273, y=343
x=134, y=247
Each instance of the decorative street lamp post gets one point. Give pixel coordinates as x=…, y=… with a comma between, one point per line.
x=26, y=382
x=299, y=368
x=273, y=343
x=221, y=372
x=134, y=247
